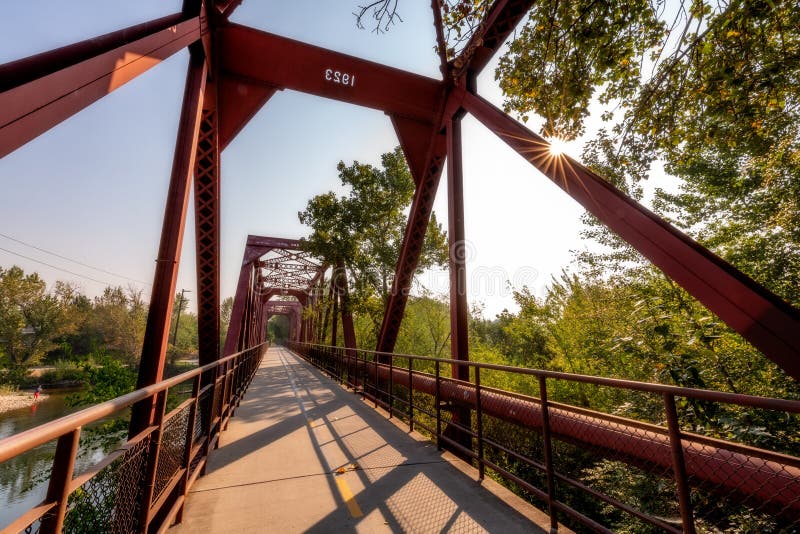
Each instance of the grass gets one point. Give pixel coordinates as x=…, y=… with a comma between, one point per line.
x=7, y=389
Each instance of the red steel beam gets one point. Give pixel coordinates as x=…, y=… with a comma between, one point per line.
x=292, y=310
x=280, y=62
x=237, y=311
x=41, y=91
x=246, y=288
x=760, y=316
x=207, y=229
x=154, y=347
x=707, y=460
x=413, y=241
x=415, y=139
x=497, y=25
x=239, y=101
x=459, y=316
x=424, y=195
x=254, y=241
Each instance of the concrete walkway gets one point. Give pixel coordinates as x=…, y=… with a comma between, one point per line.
x=304, y=455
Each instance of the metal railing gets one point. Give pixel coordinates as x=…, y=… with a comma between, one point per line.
x=662, y=458
x=142, y=485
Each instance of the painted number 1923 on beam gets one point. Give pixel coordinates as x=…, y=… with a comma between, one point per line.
x=342, y=78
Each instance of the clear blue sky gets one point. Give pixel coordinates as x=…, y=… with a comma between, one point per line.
x=93, y=188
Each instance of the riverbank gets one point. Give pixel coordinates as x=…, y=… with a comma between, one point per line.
x=15, y=401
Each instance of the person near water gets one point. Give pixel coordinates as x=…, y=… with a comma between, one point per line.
x=37, y=392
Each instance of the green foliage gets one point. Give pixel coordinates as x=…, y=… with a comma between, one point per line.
x=64, y=371
x=708, y=88
x=651, y=494
x=225, y=310
x=30, y=316
x=364, y=228
x=278, y=329
x=106, y=380
x=568, y=49
x=112, y=322
x=7, y=389
x=425, y=330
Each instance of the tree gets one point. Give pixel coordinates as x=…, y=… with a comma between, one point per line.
x=364, y=228
x=426, y=327
x=116, y=322
x=30, y=317
x=709, y=88
x=225, y=311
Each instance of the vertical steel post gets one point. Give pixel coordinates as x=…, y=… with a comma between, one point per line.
x=207, y=227
x=459, y=334
x=153, y=452
x=410, y=394
x=187, y=450
x=391, y=385
x=154, y=348
x=548, y=454
x=679, y=464
x=238, y=310
x=459, y=347
x=479, y=421
x=375, y=383
x=438, y=401
x=60, y=480
x=364, y=377
x=328, y=304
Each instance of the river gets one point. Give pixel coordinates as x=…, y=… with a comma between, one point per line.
x=23, y=480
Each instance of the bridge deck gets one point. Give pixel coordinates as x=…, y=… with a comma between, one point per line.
x=276, y=469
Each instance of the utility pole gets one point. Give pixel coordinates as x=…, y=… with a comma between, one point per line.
x=178, y=318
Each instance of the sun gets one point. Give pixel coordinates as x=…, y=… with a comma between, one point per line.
x=558, y=145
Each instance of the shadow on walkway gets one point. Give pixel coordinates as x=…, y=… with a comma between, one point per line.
x=304, y=455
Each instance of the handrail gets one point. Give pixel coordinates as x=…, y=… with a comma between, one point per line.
x=18, y=443
x=149, y=488
x=765, y=482
x=786, y=405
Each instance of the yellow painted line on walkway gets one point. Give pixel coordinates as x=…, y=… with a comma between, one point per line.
x=349, y=499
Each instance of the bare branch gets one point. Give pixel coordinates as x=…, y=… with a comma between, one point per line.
x=382, y=12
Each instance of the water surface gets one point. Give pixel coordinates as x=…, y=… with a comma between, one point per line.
x=23, y=480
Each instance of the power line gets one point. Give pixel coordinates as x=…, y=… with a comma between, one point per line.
x=70, y=259
x=54, y=267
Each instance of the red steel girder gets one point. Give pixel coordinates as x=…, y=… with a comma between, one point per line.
x=761, y=317
x=207, y=229
x=256, y=242
x=41, y=91
x=723, y=467
x=154, y=346
x=238, y=310
x=282, y=306
x=301, y=296
x=240, y=100
x=415, y=139
x=459, y=315
x=251, y=291
x=497, y=25
x=280, y=62
x=290, y=269
x=419, y=216
x=293, y=310
x=413, y=241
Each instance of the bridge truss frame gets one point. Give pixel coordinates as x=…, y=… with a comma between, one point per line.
x=234, y=70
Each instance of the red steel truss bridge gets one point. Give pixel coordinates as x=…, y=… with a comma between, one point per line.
x=176, y=436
